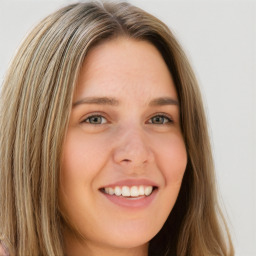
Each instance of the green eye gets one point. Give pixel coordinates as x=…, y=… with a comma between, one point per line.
x=160, y=119
x=96, y=119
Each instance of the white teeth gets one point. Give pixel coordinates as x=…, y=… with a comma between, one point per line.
x=141, y=190
x=125, y=191
x=148, y=190
x=134, y=191
x=111, y=191
x=117, y=191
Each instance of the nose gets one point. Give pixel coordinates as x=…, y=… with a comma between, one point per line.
x=133, y=149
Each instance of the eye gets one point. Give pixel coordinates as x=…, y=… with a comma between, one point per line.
x=95, y=119
x=160, y=119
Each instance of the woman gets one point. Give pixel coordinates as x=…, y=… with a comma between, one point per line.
x=104, y=143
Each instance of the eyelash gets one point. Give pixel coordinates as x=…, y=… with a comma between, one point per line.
x=94, y=116
x=167, y=119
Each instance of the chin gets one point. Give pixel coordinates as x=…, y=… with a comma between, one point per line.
x=132, y=237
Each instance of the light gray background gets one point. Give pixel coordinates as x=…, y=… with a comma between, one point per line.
x=219, y=38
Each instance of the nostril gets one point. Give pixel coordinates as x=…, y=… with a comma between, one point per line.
x=132, y=152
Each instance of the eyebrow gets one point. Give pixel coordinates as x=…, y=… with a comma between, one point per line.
x=97, y=100
x=161, y=101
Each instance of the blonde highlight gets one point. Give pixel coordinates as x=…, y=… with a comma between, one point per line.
x=36, y=100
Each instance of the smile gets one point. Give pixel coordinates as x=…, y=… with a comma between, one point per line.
x=126, y=191
x=131, y=194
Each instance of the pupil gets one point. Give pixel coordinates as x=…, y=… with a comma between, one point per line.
x=158, y=120
x=96, y=120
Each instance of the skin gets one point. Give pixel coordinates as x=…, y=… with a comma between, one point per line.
x=2, y=252
x=135, y=137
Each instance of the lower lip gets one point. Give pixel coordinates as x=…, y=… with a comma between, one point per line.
x=132, y=203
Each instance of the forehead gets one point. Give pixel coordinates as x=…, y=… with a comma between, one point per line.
x=123, y=64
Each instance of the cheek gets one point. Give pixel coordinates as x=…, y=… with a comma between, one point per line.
x=82, y=156
x=172, y=159
x=82, y=159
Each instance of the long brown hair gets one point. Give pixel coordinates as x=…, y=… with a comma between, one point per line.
x=36, y=101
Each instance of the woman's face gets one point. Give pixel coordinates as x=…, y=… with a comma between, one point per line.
x=124, y=156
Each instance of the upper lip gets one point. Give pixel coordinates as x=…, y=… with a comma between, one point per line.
x=131, y=182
